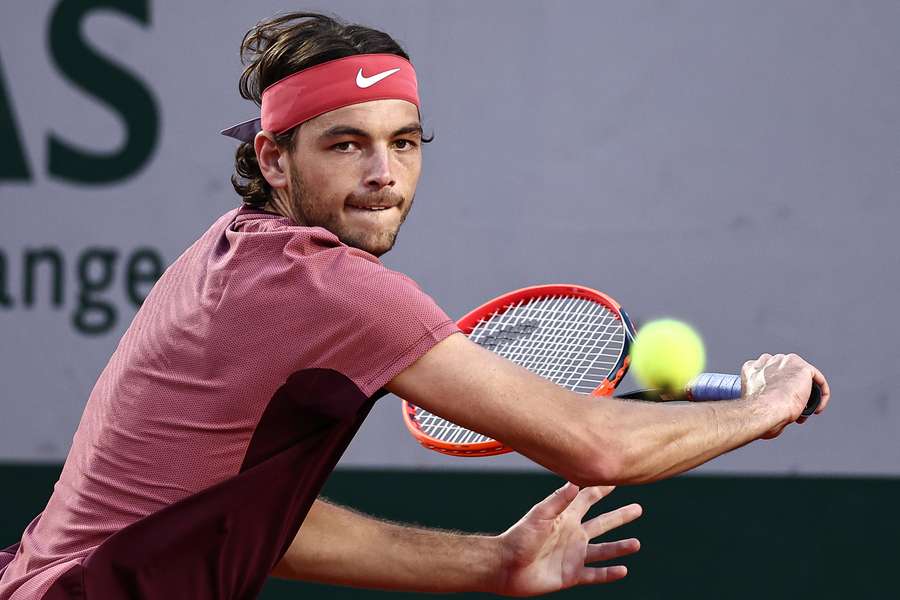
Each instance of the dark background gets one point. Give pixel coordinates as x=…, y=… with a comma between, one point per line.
x=702, y=536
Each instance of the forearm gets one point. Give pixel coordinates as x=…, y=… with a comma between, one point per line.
x=339, y=546
x=652, y=441
x=587, y=440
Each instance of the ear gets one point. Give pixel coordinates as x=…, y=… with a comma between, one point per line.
x=273, y=161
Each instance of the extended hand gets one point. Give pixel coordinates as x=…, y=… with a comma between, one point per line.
x=549, y=548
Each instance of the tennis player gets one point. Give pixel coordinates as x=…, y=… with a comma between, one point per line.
x=195, y=469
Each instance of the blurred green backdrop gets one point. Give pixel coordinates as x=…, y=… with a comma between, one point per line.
x=702, y=536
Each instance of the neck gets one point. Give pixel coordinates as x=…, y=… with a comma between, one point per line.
x=278, y=204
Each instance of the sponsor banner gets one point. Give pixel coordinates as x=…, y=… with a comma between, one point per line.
x=732, y=167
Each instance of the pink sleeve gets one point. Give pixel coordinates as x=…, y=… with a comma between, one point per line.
x=372, y=322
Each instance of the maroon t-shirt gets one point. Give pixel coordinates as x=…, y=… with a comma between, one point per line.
x=227, y=403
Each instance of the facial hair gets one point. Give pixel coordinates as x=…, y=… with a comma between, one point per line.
x=312, y=212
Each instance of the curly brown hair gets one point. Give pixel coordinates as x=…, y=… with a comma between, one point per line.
x=280, y=46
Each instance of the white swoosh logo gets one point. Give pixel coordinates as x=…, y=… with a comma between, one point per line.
x=364, y=82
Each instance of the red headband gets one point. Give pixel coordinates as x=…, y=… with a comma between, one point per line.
x=328, y=86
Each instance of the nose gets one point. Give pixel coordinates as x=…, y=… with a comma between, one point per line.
x=379, y=173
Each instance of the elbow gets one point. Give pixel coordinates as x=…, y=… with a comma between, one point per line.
x=599, y=462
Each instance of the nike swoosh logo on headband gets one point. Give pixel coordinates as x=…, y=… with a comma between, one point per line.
x=364, y=82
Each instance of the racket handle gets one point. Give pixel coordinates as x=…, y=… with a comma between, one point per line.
x=722, y=386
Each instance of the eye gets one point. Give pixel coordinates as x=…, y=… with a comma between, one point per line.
x=344, y=146
x=403, y=144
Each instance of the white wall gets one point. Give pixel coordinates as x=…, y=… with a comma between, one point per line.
x=729, y=163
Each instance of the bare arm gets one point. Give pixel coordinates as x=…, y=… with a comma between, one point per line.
x=545, y=551
x=340, y=546
x=599, y=440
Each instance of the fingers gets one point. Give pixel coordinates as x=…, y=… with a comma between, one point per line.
x=611, y=550
x=819, y=378
x=782, y=368
x=589, y=496
x=753, y=375
x=756, y=364
x=590, y=575
x=551, y=506
x=609, y=521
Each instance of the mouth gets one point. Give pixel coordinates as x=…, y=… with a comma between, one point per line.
x=369, y=208
x=380, y=206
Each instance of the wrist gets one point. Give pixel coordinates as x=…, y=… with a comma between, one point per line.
x=486, y=561
x=764, y=416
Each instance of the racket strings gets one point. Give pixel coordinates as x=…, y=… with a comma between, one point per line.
x=577, y=344
x=445, y=431
x=574, y=342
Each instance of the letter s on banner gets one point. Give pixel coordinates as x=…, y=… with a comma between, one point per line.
x=109, y=83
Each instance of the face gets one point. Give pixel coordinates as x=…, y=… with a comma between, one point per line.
x=354, y=172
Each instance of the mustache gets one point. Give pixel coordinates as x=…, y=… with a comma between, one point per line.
x=383, y=197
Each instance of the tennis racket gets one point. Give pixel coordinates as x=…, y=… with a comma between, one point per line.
x=574, y=336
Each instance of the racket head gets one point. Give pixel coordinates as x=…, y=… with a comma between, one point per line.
x=572, y=335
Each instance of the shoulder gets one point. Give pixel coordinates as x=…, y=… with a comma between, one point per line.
x=267, y=254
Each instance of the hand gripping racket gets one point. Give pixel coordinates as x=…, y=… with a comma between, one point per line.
x=714, y=386
x=574, y=336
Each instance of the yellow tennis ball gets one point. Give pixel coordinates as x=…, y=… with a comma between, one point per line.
x=667, y=354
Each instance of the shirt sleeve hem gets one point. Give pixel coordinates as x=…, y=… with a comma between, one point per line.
x=425, y=343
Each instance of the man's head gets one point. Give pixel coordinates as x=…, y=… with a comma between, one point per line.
x=353, y=169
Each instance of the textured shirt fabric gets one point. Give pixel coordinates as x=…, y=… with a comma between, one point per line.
x=255, y=357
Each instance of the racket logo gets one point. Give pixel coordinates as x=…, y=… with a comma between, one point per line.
x=510, y=333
